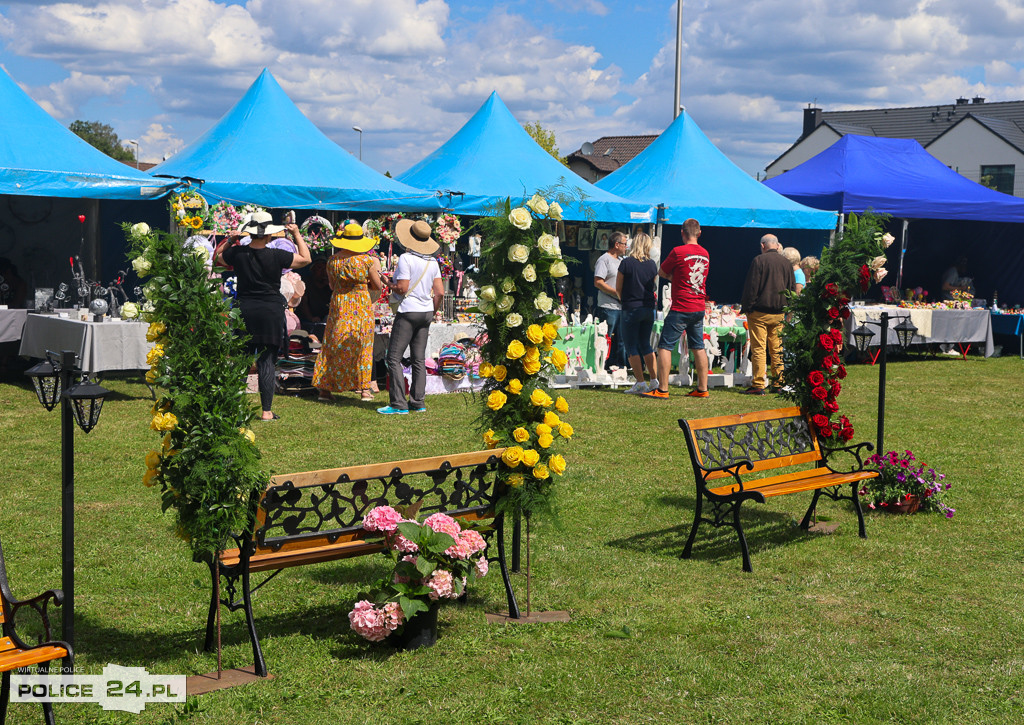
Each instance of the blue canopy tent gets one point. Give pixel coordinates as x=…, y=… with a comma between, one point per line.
x=687, y=176
x=952, y=215
x=265, y=151
x=40, y=157
x=492, y=158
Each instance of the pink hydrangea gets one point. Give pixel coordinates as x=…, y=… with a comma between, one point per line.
x=466, y=544
x=393, y=616
x=481, y=566
x=440, y=584
x=403, y=545
x=382, y=518
x=474, y=539
x=444, y=523
x=404, y=579
x=368, y=621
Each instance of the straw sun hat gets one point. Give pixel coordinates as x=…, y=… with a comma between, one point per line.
x=259, y=225
x=415, y=236
x=351, y=237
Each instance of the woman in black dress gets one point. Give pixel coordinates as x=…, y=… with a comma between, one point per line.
x=258, y=269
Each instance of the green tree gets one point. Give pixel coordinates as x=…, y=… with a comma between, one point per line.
x=545, y=138
x=103, y=137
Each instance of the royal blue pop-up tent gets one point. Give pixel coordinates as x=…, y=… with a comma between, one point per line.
x=40, y=157
x=265, y=151
x=686, y=174
x=492, y=158
x=894, y=176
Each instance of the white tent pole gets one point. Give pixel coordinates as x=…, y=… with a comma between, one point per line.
x=903, y=251
x=679, y=59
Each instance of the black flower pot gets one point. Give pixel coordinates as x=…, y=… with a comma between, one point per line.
x=420, y=631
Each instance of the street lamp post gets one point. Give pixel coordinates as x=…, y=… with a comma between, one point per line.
x=905, y=332
x=358, y=130
x=80, y=403
x=135, y=143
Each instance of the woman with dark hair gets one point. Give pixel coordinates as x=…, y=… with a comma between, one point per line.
x=259, y=269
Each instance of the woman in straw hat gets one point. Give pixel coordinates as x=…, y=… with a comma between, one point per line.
x=345, y=361
x=417, y=280
x=258, y=269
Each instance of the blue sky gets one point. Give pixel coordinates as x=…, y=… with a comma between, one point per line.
x=411, y=72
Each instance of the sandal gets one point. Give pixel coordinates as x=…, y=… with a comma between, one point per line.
x=366, y=395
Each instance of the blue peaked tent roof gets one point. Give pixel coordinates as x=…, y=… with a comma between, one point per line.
x=265, y=151
x=687, y=173
x=892, y=176
x=492, y=158
x=40, y=157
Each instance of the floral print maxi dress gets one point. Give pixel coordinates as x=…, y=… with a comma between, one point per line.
x=346, y=355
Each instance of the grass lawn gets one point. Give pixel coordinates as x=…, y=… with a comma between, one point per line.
x=921, y=622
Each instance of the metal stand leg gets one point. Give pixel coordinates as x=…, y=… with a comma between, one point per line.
x=517, y=544
x=211, y=616
x=859, y=510
x=513, y=606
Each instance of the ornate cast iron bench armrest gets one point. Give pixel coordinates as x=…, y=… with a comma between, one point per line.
x=39, y=605
x=853, y=450
x=733, y=469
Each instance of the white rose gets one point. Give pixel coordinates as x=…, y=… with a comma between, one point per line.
x=514, y=319
x=508, y=286
x=129, y=311
x=888, y=239
x=140, y=230
x=486, y=307
x=520, y=218
x=488, y=293
x=547, y=243
x=142, y=266
x=555, y=211
x=558, y=247
x=202, y=253
x=880, y=274
x=538, y=204
x=878, y=262
x=529, y=273
x=505, y=304
x=543, y=302
x=558, y=269
x=150, y=290
x=519, y=253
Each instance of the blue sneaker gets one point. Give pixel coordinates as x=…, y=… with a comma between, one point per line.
x=388, y=410
x=418, y=410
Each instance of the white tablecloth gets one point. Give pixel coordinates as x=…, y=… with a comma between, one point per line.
x=101, y=346
x=934, y=326
x=11, y=324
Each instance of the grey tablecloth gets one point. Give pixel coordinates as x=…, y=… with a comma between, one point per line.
x=11, y=323
x=110, y=345
x=947, y=326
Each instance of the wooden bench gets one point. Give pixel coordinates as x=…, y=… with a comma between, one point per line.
x=314, y=517
x=722, y=447
x=15, y=653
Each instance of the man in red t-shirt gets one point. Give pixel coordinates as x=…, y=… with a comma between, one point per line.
x=687, y=269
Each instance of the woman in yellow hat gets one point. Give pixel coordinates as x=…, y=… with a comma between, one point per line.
x=346, y=356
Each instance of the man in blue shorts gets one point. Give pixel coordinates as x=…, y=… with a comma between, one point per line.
x=686, y=267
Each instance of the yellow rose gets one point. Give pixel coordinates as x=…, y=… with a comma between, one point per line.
x=561, y=405
x=496, y=400
x=154, y=355
x=249, y=435
x=551, y=418
x=541, y=472
x=559, y=359
x=557, y=464
x=167, y=441
x=156, y=331
x=516, y=350
x=565, y=430
x=539, y=398
x=535, y=334
x=486, y=369
x=530, y=458
x=545, y=440
x=532, y=367
x=520, y=219
x=515, y=480
x=542, y=428
x=514, y=386
x=499, y=372
x=521, y=434
x=153, y=459
x=151, y=476
x=151, y=375
x=550, y=331
x=511, y=456
x=538, y=204
x=490, y=439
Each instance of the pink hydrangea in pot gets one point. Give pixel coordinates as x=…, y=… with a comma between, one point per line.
x=433, y=561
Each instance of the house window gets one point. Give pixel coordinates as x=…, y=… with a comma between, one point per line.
x=999, y=178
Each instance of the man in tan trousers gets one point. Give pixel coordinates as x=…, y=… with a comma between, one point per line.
x=763, y=302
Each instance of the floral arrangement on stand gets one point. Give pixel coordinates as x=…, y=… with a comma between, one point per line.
x=519, y=264
x=812, y=336
x=189, y=210
x=445, y=264
x=433, y=560
x=905, y=484
x=225, y=217
x=207, y=464
x=318, y=233
x=448, y=229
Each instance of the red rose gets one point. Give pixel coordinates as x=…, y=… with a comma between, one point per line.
x=846, y=434
x=815, y=378
x=826, y=341
x=841, y=372
x=865, y=278
x=836, y=387
x=825, y=430
x=828, y=362
x=831, y=289
x=844, y=300
x=819, y=420
x=830, y=405
x=819, y=393
x=833, y=313
x=837, y=335
x=845, y=313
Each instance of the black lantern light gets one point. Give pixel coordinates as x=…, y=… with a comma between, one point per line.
x=87, y=399
x=905, y=332
x=46, y=379
x=862, y=338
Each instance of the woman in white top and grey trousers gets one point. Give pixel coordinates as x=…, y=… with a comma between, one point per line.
x=418, y=277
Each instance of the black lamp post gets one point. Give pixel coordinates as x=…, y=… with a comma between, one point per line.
x=81, y=402
x=905, y=332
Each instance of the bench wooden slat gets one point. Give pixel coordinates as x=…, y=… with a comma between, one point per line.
x=721, y=421
x=383, y=470
x=792, y=483
x=14, y=658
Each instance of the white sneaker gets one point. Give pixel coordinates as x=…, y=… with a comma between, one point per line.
x=637, y=388
x=652, y=384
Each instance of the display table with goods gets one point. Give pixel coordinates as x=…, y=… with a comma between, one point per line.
x=113, y=344
x=935, y=325
x=1009, y=324
x=11, y=324
x=727, y=344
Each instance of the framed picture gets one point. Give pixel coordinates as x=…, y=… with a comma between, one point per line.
x=585, y=238
x=601, y=240
x=571, y=235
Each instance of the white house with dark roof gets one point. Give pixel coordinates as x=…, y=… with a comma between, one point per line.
x=982, y=141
